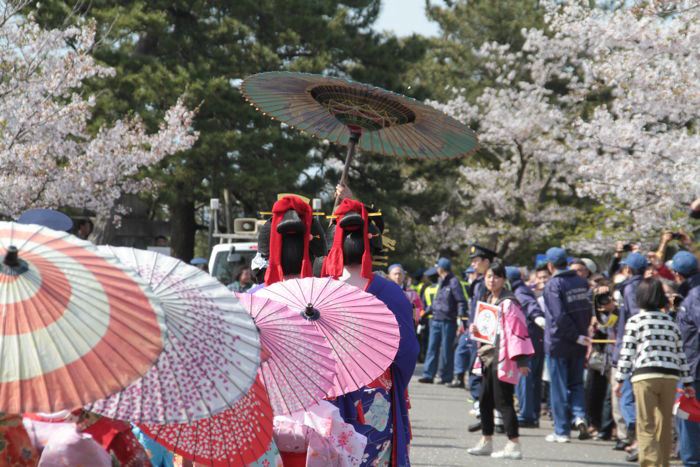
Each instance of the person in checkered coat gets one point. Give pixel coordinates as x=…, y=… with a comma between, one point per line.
x=652, y=357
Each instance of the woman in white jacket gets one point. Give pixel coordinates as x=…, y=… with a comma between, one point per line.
x=652, y=356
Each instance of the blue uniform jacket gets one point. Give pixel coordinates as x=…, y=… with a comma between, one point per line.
x=478, y=291
x=628, y=309
x=449, y=301
x=532, y=310
x=689, y=324
x=568, y=312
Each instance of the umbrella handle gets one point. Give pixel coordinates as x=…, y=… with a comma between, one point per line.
x=354, y=138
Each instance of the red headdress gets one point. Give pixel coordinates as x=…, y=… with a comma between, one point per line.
x=333, y=264
x=274, y=269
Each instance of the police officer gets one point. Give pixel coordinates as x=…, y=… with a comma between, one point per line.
x=633, y=266
x=427, y=295
x=568, y=313
x=462, y=352
x=686, y=271
x=448, y=305
x=465, y=353
x=529, y=388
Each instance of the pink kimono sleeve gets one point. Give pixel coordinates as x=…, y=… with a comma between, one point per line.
x=516, y=335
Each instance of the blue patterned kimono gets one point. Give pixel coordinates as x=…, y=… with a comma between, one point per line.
x=379, y=411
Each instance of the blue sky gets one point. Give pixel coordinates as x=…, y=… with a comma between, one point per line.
x=404, y=17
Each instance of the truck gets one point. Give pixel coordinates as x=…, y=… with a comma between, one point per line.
x=235, y=250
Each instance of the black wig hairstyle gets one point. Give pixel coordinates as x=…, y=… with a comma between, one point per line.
x=292, y=229
x=353, y=243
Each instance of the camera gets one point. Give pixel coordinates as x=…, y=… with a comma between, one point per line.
x=601, y=300
x=676, y=236
x=627, y=247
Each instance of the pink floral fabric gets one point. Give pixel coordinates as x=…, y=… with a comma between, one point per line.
x=320, y=432
x=68, y=447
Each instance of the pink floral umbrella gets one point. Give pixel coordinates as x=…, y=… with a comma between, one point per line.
x=297, y=364
x=362, y=331
x=211, y=352
x=235, y=437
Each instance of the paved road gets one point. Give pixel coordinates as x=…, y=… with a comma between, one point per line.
x=440, y=417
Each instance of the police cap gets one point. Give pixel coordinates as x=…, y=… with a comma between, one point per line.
x=476, y=250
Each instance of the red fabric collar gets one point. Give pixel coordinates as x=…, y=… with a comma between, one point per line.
x=274, y=270
x=333, y=264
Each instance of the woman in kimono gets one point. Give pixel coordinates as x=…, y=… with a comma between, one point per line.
x=378, y=411
x=288, y=245
x=501, y=364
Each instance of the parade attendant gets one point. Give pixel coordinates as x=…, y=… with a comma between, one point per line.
x=502, y=364
x=685, y=268
x=380, y=410
x=288, y=244
x=529, y=387
x=16, y=448
x=449, y=305
x=568, y=313
x=652, y=359
x=64, y=435
x=633, y=266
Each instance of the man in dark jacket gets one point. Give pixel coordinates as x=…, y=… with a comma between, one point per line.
x=465, y=352
x=568, y=313
x=686, y=271
x=529, y=389
x=633, y=266
x=449, y=304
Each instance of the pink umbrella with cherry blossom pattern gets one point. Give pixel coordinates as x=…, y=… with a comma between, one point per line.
x=361, y=330
x=211, y=352
x=297, y=364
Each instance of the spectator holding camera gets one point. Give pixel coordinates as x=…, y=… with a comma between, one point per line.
x=598, y=406
x=685, y=268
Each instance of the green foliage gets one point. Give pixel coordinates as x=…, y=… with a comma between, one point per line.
x=451, y=61
x=162, y=48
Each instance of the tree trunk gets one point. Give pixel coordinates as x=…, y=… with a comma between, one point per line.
x=182, y=226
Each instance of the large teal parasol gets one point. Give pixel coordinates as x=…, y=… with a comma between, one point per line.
x=354, y=114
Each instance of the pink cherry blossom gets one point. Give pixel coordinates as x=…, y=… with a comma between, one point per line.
x=47, y=156
x=621, y=128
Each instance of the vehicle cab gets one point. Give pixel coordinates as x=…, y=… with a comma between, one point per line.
x=235, y=250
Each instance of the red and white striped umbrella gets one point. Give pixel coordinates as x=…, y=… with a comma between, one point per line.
x=76, y=326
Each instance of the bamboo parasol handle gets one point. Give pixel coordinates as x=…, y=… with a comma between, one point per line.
x=354, y=138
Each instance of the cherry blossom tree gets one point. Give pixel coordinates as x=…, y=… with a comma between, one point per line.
x=600, y=106
x=48, y=158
